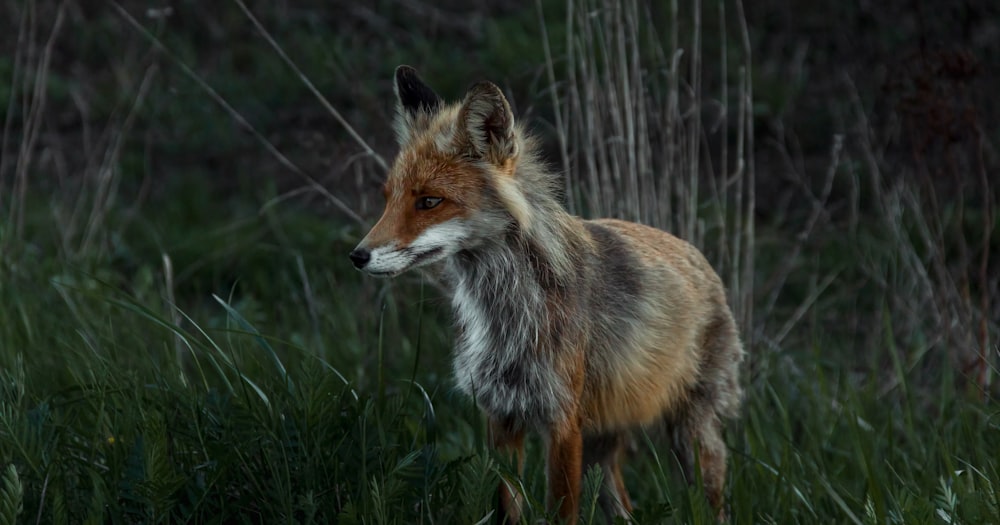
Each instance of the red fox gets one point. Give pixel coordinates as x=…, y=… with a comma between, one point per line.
x=581, y=330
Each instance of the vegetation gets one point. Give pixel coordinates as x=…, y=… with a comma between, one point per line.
x=182, y=338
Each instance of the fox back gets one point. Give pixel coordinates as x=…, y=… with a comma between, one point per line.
x=580, y=330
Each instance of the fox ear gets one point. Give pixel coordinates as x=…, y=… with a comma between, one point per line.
x=489, y=123
x=414, y=99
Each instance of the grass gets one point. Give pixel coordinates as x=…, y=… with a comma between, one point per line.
x=180, y=349
x=263, y=419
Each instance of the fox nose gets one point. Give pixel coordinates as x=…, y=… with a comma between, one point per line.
x=360, y=257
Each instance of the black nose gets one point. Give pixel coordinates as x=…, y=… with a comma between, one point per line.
x=360, y=257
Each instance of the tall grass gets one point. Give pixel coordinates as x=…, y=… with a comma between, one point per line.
x=631, y=115
x=170, y=356
x=937, y=281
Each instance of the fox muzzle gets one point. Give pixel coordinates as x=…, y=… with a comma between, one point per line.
x=360, y=257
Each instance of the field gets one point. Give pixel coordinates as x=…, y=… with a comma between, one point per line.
x=183, y=339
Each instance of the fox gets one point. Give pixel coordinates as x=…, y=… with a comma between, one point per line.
x=582, y=331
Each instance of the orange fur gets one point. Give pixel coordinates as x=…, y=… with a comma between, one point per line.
x=580, y=330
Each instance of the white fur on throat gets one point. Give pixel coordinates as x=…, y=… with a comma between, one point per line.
x=500, y=311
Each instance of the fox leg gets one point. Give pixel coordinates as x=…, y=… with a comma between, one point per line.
x=605, y=451
x=509, y=440
x=565, y=466
x=700, y=432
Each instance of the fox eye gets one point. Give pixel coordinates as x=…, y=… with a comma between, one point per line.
x=426, y=203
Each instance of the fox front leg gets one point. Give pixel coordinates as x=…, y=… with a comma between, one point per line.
x=565, y=468
x=508, y=439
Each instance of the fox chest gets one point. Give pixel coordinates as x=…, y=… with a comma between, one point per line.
x=498, y=361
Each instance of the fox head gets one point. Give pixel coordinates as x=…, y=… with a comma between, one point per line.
x=452, y=187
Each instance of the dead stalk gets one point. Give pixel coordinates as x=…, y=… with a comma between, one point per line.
x=629, y=121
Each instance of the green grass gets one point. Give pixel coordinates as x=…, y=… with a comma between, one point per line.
x=283, y=387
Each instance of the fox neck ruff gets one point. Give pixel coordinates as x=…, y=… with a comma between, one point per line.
x=510, y=317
